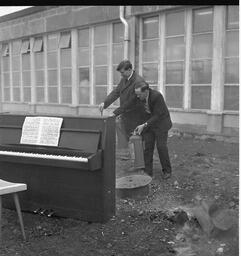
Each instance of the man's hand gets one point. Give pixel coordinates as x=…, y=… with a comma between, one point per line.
x=101, y=107
x=139, y=129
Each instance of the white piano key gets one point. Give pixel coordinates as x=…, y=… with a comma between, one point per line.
x=45, y=156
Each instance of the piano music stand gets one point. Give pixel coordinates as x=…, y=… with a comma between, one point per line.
x=12, y=188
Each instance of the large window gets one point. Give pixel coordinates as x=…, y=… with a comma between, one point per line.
x=39, y=69
x=202, y=46
x=150, y=50
x=26, y=70
x=100, y=63
x=65, y=67
x=52, y=65
x=83, y=60
x=118, y=53
x=6, y=72
x=84, y=65
x=174, y=59
x=16, y=47
x=231, y=75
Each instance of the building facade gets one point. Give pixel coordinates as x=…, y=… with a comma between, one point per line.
x=63, y=59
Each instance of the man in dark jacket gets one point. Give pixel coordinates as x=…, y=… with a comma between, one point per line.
x=129, y=109
x=155, y=128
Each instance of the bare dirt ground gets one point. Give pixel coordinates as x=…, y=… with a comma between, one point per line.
x=204, y=169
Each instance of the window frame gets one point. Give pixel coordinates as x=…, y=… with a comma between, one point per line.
x=229, y=85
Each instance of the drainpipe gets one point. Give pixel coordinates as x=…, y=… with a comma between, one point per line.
x=126, y=31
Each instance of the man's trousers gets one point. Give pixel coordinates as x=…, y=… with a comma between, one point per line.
x=150, y=137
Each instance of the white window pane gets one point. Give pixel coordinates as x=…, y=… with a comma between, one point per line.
x=233, y=17
x=39, y=60
x=26, y=62
x=232, y=71
x=175, y=48
x=175, y=72
x=16, y=63
x=150, y=27
x=201, y=97
x=84, y=97
x=203, y=20
x=202, y=46
x=52, y=42
x=150, y=50
x=38, y=45
x=231, y=98
x=6, y=64
x=66, y=78
x=16, y=79
x=118, y=53
x=16, y=94
x=100, y=94
x=101, y=75
x=201, y=72
x=27, y=94
x=5, y=50
x=175, y=23
x=64, y=41
x=174, y=96
x=53, y=95
x=52, y=60
x=40, y=94
x=100, y=55
x=84, y=77
x=65, y=56
x=26, y=78
x=25, y=46
x=66, y=95
x=150, y=73
x=52, y=77
x=84, y=58
x=100, y=35
x=39, y=75
x=6, y=79
x=232, y=44
x=83, y=36
x=118, y=33
x=16, y=46
x=6, y=94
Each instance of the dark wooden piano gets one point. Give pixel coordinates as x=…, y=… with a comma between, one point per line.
x=75, y=179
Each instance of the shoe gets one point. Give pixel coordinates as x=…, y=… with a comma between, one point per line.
x=166, y=175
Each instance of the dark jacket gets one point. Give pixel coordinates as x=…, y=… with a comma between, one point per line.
x=131, y=109
x=126, y=91
x=160, y=116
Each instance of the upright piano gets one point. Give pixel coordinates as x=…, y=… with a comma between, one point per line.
x=75, y=179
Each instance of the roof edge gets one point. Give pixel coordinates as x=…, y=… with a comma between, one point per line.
x=24, y=12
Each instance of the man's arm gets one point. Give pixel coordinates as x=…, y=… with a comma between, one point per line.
x=126, y=105
x=114, y=95
x=130, y=102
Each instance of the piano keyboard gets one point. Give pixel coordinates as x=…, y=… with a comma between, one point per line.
x=45, y=156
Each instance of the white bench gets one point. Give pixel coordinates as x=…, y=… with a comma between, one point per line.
x=12, y=188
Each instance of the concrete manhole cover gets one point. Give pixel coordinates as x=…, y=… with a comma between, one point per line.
x=133, y=186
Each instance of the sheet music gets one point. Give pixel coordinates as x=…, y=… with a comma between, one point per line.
x=41, y=130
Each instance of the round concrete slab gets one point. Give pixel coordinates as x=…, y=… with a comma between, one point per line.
x=133, y=186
